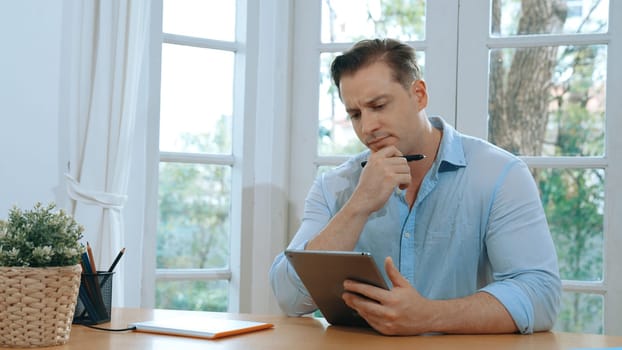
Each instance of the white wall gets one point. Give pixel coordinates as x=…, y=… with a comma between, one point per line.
x=30, y=144
x=34, y=35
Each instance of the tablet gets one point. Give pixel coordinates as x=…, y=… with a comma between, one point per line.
x=323, y=273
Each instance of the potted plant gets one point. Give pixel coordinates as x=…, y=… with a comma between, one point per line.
x=40, y=252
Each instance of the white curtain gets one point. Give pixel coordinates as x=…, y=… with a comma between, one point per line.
x=109, y=49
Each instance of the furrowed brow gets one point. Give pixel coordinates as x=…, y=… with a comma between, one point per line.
x=376, y=99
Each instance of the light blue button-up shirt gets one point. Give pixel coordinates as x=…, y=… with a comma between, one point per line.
x=477, y=225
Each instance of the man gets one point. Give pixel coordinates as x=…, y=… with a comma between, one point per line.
x=463, y=230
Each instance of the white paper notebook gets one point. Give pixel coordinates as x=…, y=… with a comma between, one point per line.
x=199, y=327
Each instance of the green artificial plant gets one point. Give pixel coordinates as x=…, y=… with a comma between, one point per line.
x=41, y=237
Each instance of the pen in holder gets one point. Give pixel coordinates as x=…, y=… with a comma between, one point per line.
x=94, y=299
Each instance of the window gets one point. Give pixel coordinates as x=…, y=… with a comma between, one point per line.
x=237, y=156
x=534, y=80
x=194, y=232
x=558, y=120
x=216, y=214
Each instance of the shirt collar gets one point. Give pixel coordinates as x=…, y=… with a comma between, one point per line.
x=450, y=152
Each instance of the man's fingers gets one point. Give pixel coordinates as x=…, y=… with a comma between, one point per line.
x=394, y=274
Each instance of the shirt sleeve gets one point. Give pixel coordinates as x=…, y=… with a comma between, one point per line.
x=521, y=252
x=288, y=289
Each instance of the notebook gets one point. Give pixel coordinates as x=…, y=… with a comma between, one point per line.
x=199, y=327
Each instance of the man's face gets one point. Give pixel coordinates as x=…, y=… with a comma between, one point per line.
x=382, y=111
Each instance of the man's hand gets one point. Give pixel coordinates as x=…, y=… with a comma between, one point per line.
x=400, y=311
x=403, y=311
x=385, y=170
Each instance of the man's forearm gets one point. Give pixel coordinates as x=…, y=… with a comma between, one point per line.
x=476, y=314
x=342, y=232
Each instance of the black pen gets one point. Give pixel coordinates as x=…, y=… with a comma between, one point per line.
x=409, y=158
x=116, y=260
x=111, y=268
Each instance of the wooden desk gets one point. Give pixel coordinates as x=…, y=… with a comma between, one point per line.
x=309, y=333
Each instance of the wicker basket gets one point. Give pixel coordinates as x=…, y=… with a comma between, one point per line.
x=37, y=305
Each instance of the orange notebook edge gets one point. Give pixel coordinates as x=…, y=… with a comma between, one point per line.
x=243, y=330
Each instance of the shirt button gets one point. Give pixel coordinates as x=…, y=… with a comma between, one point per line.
x=406, y=234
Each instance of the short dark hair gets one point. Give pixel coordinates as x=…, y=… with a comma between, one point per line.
x=399, y=56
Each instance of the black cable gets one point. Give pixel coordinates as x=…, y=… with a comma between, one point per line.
x=111, y=329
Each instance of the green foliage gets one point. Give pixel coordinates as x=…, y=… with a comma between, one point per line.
x=407, y=16
x=581, y=313
x=194, y=224
x=40, y=237
x=194, y=201
x=193, y=295
x=573, y=202
x=578, y=117
x=573, y=199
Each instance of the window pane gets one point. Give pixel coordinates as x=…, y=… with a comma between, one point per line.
x=192, y=295
x=548, y=101
x=573, y=200
x=194, y=223
x=196, y=100
x=349, y=21
x=335, y=133
x=211, y=19
x=509, y=17
x=580, y=313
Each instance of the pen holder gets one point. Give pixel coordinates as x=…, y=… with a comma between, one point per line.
x=94, y=299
